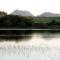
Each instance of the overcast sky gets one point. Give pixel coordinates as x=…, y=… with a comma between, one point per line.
x=36, y=7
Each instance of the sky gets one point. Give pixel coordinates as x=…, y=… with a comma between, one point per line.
x=36, y=7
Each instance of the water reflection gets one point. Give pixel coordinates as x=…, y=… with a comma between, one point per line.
x=48, y=35
x=19, y=35
x=36, y=48
x=15, y=35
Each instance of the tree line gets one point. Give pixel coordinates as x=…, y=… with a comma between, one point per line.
x=14, y=21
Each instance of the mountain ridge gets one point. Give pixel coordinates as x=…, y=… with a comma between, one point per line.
x=27, y=13
x=49, y=14
x=21, y=13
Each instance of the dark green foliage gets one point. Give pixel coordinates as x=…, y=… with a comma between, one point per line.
x=46, y=22
x=17, y=22
x=14, y=21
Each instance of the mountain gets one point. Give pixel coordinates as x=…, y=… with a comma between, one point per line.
x=21, y=13
x=48, y=14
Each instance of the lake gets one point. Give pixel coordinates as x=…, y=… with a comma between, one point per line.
x=39, y=46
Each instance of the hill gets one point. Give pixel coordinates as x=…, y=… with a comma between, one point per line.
x=48, y=14
x=21, y=13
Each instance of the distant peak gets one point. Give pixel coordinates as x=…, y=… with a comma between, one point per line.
x=49, y=14
x=21, y=13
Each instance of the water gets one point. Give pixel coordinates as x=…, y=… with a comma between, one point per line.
x=39, y=46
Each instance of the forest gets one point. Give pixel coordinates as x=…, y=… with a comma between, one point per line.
x=20, y=22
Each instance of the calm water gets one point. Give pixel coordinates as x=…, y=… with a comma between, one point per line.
x=38, y=47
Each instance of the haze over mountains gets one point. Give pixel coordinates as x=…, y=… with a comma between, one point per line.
x=27, y=13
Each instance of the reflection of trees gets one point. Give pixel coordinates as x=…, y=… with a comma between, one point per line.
x=18, y=35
